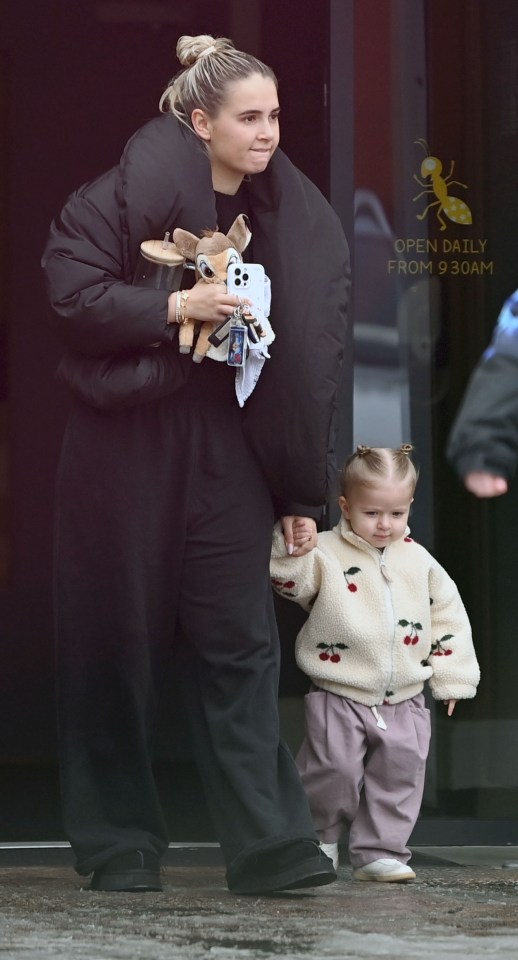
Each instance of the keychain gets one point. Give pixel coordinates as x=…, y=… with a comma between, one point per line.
x=237, y=341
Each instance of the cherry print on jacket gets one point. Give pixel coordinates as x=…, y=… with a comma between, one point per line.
x=412, y=636
x=350, y=573
x=284, y=587
x=329, y=651
x=437, y=646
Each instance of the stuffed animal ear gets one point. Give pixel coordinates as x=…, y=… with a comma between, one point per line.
x=186, y=243
x=240, y=233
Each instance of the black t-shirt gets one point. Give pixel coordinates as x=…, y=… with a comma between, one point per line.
x=229, y=207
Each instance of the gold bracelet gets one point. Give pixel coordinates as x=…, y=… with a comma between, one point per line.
x=184, y=296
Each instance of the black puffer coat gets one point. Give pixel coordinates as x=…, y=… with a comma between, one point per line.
x=164, y=181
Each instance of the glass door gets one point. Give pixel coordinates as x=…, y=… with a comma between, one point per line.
x=435, y=240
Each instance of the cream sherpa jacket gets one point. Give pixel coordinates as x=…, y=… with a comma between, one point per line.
x=380, y=624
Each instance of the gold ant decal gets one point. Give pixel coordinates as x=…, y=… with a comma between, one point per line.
x=455, y=209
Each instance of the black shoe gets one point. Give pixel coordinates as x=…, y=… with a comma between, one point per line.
x=137, y=870
x=298, y=864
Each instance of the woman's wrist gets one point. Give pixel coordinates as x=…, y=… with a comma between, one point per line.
x=177, y=307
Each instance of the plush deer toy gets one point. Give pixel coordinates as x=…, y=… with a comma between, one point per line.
x=211, y=254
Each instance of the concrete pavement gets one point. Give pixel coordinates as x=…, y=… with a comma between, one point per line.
x=452, y=910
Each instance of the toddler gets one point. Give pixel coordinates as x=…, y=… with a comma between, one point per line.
x=384, y=617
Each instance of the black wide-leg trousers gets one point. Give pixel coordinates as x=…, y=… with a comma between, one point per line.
x=163, y=536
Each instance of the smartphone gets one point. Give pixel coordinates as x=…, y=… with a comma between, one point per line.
x=244, y=280
x=247, y=280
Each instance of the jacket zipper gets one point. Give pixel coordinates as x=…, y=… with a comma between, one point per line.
x=390, y=616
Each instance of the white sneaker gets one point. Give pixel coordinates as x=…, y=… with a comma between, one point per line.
x=385, y=870
x=331, y=851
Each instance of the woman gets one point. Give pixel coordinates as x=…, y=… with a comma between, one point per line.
x=147, y=547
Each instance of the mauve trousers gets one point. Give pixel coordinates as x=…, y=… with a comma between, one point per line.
x=359, y=776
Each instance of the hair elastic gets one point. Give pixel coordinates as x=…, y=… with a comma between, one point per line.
x=207, y=52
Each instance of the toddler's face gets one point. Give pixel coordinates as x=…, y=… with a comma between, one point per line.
x=379, y=513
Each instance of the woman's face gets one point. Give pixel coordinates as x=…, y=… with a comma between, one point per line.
x=242, y=137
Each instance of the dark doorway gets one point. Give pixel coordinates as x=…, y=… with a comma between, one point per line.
x=77, y=80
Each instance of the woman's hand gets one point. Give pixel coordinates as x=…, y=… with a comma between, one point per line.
x=451, y=704
x=300, y=535
x=208, y=302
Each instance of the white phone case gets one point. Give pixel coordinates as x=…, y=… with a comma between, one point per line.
x=247, y=280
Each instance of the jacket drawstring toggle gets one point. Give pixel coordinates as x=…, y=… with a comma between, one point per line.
x=379, y=719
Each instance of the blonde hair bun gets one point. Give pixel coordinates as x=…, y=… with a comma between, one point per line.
x=191, y=49
x=209, y=66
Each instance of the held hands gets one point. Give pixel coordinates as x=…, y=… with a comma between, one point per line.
x=300, y=535
x=483, y=484
x=208, y=302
